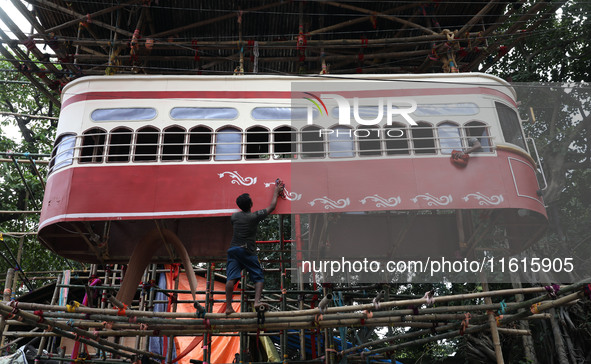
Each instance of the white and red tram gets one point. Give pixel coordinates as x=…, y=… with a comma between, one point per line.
x=132, y=150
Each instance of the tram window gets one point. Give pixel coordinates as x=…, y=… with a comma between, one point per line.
x=449, y=137
x=204, y=113
x=119, y=145
x=120, y=114
x=228, y=144
x=282, y=113
x=396, y=137
x=93, y=146
x=146, y=144
x=422, y=138
x=340, y=142
x=284, y=139
x=312, y=142
x=464, y=108
x=370, y=114
x=173, y=145
x=510, y=125
x=63, y=152
x=478, y=130
x=369, y=140
x=257, y=143
x=199, y=143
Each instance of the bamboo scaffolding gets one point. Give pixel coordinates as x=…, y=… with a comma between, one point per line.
x=88, y=324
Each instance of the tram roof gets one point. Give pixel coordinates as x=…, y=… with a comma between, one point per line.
x=280, y=37
x=168, y=81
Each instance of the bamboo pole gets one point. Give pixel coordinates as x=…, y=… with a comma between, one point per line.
x=73, y=332
x=493, y=328
x=53, y=301
x=505, y=320
x=6, y=295
x=312, y=312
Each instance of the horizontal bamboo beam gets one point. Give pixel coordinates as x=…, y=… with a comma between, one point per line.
x=278, y=44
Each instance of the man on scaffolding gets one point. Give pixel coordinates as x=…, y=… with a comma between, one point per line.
x=242, y=252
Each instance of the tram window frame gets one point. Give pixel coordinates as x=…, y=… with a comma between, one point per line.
x=279, y=142
x=448, y=143
x=146, y=151
x=472, y=129
x=338, y=148
x=257, y=149
x=309, y=145
x=283, y=113
x=423, y=126
x=510, y=125
x=196, y=148
x=112, y=115
x=126, y=148
x=92, y=149
x=212, y=116
x=367, y=144
x=63, y=152
x=231, y=155
x=177, y=148
x=392, y=140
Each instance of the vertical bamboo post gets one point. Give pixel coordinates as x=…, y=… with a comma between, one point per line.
x=106, y=283
x=298, y=249
x=528, y=343
x=283, y=338
x=150, y=304
x=53, y=302
x=19, y=255
x=174, y=304
x=142, y=307
x=243, y=335
x=558, y=341
x=7, y=293
x=493, y=328
x=208, y=308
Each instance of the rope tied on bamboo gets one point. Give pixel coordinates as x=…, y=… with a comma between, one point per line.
x=465, y=323
x=317, y=318
x=503, y=307
x=73, y=306
x=121, y=310
x=429, y=297
x=587, y=290
x=535, y=308
x=498, y=320
x=552, y=290
x=40, y=314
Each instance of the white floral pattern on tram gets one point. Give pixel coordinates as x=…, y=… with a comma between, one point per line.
x=484, y=200
x=290, y=196
x=432, y=200
x=238, y=179
x=382, y=201
x=331, y=204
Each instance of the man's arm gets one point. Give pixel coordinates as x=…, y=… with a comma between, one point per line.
x=276, y=191
x=474, y=146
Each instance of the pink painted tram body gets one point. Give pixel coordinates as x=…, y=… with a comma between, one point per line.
x=132, y=150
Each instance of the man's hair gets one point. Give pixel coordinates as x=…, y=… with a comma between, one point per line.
x=244, y=202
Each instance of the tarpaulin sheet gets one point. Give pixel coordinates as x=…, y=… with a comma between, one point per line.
x=223, y=348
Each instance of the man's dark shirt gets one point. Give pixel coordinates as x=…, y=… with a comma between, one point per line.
x=245, y=228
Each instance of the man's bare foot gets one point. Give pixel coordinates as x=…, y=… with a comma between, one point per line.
x=230, y=310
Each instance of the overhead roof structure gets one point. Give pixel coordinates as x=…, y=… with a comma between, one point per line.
x=76, y=38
